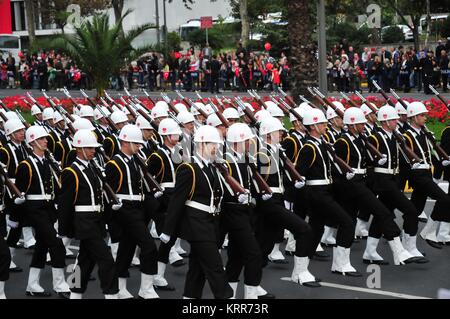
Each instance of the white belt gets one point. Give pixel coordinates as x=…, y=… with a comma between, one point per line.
x=277, y=190
x=39, y=197
x=88, y=208
x=359, y=171
x=422, y=166
x=316, y=182
x=168, y=185
x=386, y=170
x=139, y=198
x=200, y=206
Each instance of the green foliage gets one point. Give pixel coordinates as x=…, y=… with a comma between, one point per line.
x=356, y=37
x=445, y=28
x=256, y=8
x=393, y=34
x=276, y=35
x=221, y=35
x=98, y=48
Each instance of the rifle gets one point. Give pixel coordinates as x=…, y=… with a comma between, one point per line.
x=66, y=92
x=319, y=104
x=264, y=188
x=3, y=115
x=128, y=107
x=94, y=105
x=257, y=99
x=234, y=184
x=349, y=100
x=108, y=189
x=9, y=183
x=216, y=110
x=383, y=94
x=247, y=112
x=169, y=103
x=438, y=96
x=192, y=104
x=21, y=118
x=148, y=97
x=35, y=102
x=151, y=181
x=287, y=97
x=439, y=150
x=290, y=167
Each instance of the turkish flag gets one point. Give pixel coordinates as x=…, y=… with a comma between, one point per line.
x=5, y=17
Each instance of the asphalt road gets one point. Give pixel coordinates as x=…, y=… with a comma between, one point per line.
x=409, y=281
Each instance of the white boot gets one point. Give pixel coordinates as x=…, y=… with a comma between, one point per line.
x=187, y=297
x=178, y=247
x=146, y=291
x=123, y=292
x=400, y=254
x=136, y=261
x=75, y=295
x=33, y=280
x=341, y=262
x=329, y=236
x=115, y=296
x=300, y=273
x=66, y=242
x=225, y=242
x=2, y=290
x=371, y=255
x=173, y=256
x=28, y=237
x=233, y=286
x=444, y=233
x=429, y=231
x=250, y=292
x=362, y=228
x=319, y=248
x=409, y=242
x=59, y=280
x=423, y=216
x=290, y=246
x=276, y=254
x=153, y=231
x=158, y=279
x=12, y=265
x=114, y=247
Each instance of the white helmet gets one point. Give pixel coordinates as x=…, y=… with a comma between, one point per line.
x=163, y=105
x=231, y=113
x=416, y=108
x=12, y=126
x=180, y=107
x=354, y=115
x=82, y=124
x=300, y=112
x=86, y=111
x=35, y=110
x=4, y=112
x=249, y=106
x=262, y=114
x=207, y=134
x=75, y=111
x=85, y=138
x=239, y=132
x=386, y=113
x=98, y=115
x=159, y=111
x=117, y=108
x=119, y=117
x=131, y=133
x=125, y=110
x=331, y=113
x=213, y=120
x=400, y=109
x=143, y=124
x=11, y=115
x=274, y=110
x=35, y=132
x=185, y=117
x=57, y=117
x=199, y=105
x=366, y=110
x=47, y=114
x=269, y=125
x=314, y=116
x=169, y=127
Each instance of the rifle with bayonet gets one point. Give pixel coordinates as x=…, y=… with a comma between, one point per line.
x=192, y=104
x=216, y=110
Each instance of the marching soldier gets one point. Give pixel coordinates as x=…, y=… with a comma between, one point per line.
x=34, y=178
x=111, y=143
x=122, y=173
x=37, y=115
x=193, y=214
x=80, y=206
x=102, y=128
x=150, y=145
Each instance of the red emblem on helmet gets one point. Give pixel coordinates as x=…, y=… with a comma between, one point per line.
x=385, y=116
x=242, y=135
x=32, y=135
x=315, y=119
x=124, y=135
x=352, y=119
x=164, y=130
x=79, y=141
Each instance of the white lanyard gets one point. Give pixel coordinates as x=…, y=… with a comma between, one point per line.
x=389, y=151
x=172, y=168
x=211, y=204
x=33, y=161
x=351, y=138
x=13, y=148
x=88, y=182
x=413, y=134
x=323, y=159
x=130, y=189
x=280, y=180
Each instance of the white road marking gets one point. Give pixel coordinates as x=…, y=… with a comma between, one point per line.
x=367, y=290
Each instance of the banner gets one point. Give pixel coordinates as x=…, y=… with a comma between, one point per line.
x=5, y=17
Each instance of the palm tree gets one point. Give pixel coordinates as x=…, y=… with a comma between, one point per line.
x=303, y=59
x=100, y=49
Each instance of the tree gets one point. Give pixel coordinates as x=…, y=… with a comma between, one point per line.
x=118, y=8
x=97, y=47
x=31, y=22
x=243, y=12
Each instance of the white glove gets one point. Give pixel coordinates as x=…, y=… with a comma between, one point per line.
x=164, y=238
x=299, y=184
x=158, y=194
x=20, y=200
x=349, y=176
x=436, y=180
x=382, y=160
x=117, y=206
x=243, y=198
x=266, y=197
x=445, y=163
x=415, y=165
x=12, y=224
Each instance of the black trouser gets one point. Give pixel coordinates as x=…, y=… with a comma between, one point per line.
x=243, y=248
x=391, y=196
x=274, y=217
x=403, y=176
x=214, y=86
x=324, y=207
x=427, y=80
x=14, y=233
x=444, y=78
x=5, y=260
x=365, y=212
x=205, y=263
x=424, y=187
x=96, y=251
x=357, y=196
x=42, y=220
x=135, y=232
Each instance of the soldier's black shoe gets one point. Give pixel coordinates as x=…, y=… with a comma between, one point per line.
x=434, y=244
x=165, y=288
x=43, y=294
x=321, y=256
x=420, y=260
x=178, y=263
x=63, y=294
x=267, y=296
x=375, y=262
x=289, y=253
x=279, y=261
x=15, y=269
x=311, y=284
x=350, y=273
